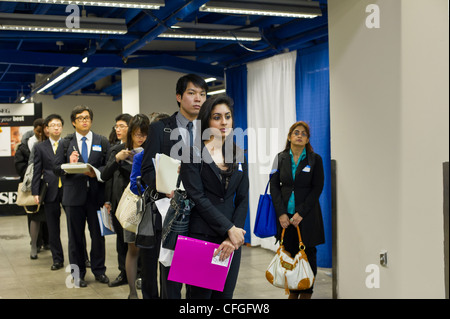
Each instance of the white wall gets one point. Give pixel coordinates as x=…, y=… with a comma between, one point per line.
x=425, y=142
x=104, y=108
x=152, y=90
x=389, y=131
x=130, y=91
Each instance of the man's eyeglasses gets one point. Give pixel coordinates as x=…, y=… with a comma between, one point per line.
x=83, y=119
x=55, y=125
x=120, y=127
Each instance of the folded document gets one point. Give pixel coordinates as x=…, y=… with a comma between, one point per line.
x=166, y=169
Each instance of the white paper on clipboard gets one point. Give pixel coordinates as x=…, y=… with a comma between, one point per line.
x=80, y=168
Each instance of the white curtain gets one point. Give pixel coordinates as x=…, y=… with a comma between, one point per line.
x=270, y=113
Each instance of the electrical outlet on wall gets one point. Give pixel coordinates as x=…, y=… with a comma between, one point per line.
x=383, y=258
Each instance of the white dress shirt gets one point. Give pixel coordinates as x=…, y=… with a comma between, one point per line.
x=88, y=141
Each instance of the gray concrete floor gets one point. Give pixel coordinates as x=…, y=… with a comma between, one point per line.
x=23, y=278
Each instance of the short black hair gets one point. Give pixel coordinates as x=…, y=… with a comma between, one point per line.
x=51, y=117
x=124, y=117
x=183, y=82
x=38, y=122
x=80, y=109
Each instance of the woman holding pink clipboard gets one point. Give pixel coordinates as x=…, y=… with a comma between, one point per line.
x=218, y=184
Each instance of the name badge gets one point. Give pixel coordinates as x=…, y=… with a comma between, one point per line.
x=97, y=148
x=307, y=169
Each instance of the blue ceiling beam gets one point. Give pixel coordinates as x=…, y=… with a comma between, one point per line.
x=173, y=18
x=74, y=77
x=113, y=88
x=39, y=58
x=291, y=44
x=86, y=76
x=91, y=77
x=108, y=61
x=8, y=87
x=168, y=62
x=47, y=36
x=76, y=82
x=299, y=26
x=42, y=8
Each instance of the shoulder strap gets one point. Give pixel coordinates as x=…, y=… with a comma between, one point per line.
x=311, y=159
x=167, y=130
x=166, y=137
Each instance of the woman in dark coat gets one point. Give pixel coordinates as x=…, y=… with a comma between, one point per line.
x=295, y=188
x=218, y=184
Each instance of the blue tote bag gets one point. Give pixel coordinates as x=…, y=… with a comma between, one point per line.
x=266, y=218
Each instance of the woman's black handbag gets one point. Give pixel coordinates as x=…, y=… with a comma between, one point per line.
x=176, y=221
x=148, y=226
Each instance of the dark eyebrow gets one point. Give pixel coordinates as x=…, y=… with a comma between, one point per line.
x=221, y=113
x=194, y=90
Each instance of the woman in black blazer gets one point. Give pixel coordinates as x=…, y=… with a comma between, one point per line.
x=218, y=184
x=295, y=188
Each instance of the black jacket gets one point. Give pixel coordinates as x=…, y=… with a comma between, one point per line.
x=215, y=210
x=158, y=141
x=23, y=155
x=75, y=189
x=307, y=188
x=116, y=176
x=44, y=163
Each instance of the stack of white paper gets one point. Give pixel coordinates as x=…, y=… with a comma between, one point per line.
x=166, y=170
x=80, y=168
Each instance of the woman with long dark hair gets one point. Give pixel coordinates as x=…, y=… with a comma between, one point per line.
x=218, y=185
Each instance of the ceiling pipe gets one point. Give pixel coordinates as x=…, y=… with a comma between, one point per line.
x=93, y=75
x=293, y=43
x=174, y=18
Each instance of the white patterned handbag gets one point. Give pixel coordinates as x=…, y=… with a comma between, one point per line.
x=126, y=212
x=290, y=273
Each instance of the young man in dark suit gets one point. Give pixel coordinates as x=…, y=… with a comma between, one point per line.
x=84, y=194
x=44, y=164
x=191, y=91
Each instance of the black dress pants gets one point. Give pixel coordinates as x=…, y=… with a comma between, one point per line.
x=53, y=215
x=230, y=283
x=169, y=289
x=76, y=218
x=194, y=292
x=149, y=269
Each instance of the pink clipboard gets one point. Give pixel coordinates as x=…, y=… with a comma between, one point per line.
x=193, y=264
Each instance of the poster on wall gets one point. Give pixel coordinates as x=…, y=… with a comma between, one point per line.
x=15, y=121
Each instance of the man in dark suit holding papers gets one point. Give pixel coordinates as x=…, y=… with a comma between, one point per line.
x=191, y=93
x=83, y=194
